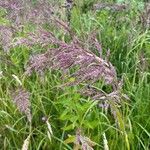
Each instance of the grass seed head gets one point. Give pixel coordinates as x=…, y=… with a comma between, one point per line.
x=21, y=99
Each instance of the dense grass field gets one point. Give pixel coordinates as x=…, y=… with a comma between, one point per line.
x=43, y=106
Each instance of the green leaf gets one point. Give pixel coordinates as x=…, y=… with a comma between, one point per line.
x=70, y=139
x=66, y=116
x=69, y=127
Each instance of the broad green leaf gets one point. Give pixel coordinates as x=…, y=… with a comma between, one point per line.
x=70, y=139
x=69, y=127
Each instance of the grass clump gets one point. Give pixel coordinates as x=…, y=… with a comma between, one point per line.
x=74, y=77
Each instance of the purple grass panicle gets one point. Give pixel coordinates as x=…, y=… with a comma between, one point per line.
x=69, y=55
x=21, y=99
x=84, y=142
x=38, y=63
x=19, y=12
x=88, y=68
x=6, y=37
x=106, y=99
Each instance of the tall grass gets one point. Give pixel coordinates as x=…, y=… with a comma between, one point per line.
x=63, y=109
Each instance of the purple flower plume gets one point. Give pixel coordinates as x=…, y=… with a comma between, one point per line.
x=68, y=55
x=21, y=99
x=88, y=68
x=6, y=36
x=84, y=142
x=20, y=12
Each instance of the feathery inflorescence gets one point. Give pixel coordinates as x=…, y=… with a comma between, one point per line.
x=23, y=11
x=80, y=63
x=22, y=101
x=67, y=55
x=104, y=99
x=6, y=36
x=88, y=67
x=145, y=16
x=84, y=142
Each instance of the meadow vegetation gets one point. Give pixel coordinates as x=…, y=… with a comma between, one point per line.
x=74, y=75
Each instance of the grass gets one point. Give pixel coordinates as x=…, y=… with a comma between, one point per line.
x=68, y=110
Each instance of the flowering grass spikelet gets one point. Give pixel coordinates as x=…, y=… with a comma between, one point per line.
x=21, y=99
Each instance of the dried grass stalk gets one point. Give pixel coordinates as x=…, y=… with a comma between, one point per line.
x=26, y=143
